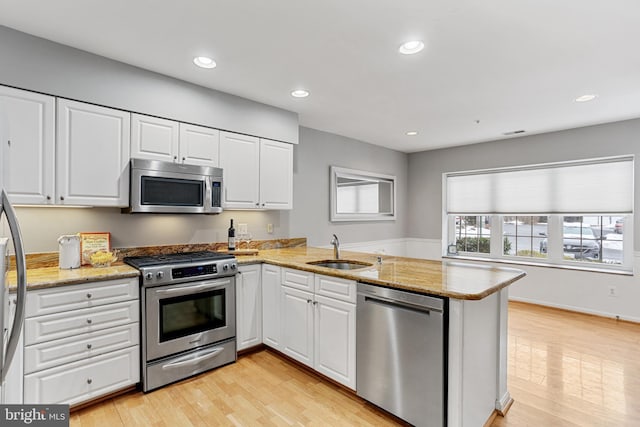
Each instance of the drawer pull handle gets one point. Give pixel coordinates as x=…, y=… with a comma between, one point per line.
x=89, y=296
x=89, y=346
x=89, y=381
x=89, y=321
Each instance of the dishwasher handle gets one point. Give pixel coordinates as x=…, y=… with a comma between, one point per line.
x=400, y=304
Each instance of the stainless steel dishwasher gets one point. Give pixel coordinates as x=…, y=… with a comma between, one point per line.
x=401, y=353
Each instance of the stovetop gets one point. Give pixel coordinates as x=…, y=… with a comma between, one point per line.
x=177, y=258
x=157, y=270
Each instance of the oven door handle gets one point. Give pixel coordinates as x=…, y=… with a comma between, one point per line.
x=193, y=289
x=190, y=360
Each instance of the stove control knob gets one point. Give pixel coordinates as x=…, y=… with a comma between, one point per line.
x=148, y=276
x=233, y=266
x=225, y=267
x=160, y=274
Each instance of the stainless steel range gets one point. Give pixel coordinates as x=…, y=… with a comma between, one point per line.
x=188, y=314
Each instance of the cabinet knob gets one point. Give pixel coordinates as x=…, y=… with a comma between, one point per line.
x=183, y=159
x=61, y=197
x=175, y=158
x=48, y=197
x=89, y=381
x=315, y=303
x=257, y=204
x=263, y=205
x=89, y=321
x=89, y=346
x=308, y=301
x=9, y=142
x=89, y=296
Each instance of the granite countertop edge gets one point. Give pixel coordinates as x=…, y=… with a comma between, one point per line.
x=297, y=258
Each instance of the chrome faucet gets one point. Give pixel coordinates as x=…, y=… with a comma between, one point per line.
x=336, y=247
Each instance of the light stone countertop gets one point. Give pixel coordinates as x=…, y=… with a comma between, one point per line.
x=444, y=278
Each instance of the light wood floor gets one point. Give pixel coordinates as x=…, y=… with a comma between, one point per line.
x=565, y=369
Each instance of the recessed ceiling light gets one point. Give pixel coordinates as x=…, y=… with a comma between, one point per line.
x=204, y=62
x=411, y=47
x=412, y=133
x=300, y=93
x=586, y=98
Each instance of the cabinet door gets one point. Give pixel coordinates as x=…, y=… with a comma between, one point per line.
x=239, y=156
x=271, y=315
x=31, y=120
x=276, y=175
x=153, y=138
x=92, y=155
x=249, y=307
x=199, y=145
x=297, y=324
x=335, y=340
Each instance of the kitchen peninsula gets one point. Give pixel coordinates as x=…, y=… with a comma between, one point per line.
x=477, y=311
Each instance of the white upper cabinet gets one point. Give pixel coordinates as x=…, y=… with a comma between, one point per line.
x=153, y=138
x=31, y=119
x=199, y=145
x=276, y=175
x=258, y=173
x=92, y=155
x=239, y=160
x=170, y=141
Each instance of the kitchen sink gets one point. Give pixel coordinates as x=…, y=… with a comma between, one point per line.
x=341, y=264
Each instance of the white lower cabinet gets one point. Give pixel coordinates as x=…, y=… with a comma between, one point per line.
x=80, y=381
x=248, y=307
x=318, y=330
x=271, y=316
x=83, y=349
x=297, y=324
x=335, y=340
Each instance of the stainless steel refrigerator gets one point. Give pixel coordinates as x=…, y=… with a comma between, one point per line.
x=10, y=324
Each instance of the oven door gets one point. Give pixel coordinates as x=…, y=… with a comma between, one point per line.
x=186, y=316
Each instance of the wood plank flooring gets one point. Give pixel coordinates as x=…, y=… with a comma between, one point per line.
x=565, y=369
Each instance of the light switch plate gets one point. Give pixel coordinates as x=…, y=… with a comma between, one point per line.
x=242, y=228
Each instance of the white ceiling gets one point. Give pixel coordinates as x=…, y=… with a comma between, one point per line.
x=509, y=64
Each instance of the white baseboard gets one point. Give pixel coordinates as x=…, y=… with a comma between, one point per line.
x=576, y=309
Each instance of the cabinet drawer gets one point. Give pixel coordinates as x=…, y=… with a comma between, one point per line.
x=297, y=279
x=61, y=325
x=334, y=287
x=77, y=382
x=73, y=297
x=57, y=352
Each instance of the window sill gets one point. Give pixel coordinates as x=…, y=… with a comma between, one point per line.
x=541, y=264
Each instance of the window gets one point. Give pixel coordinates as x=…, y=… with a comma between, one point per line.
x=525, y=236
x=572, y=213
x=472, y=234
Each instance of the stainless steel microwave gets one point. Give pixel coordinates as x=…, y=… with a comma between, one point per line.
x=165, y=187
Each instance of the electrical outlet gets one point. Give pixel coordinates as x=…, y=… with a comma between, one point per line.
x=613, y=291
x=242, y=228
x=270, y=228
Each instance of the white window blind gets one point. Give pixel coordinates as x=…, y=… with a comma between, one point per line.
x=589, y=186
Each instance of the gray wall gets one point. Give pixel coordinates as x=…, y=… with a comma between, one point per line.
x=312, y=158
x=426, y=168
x=33, y=63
